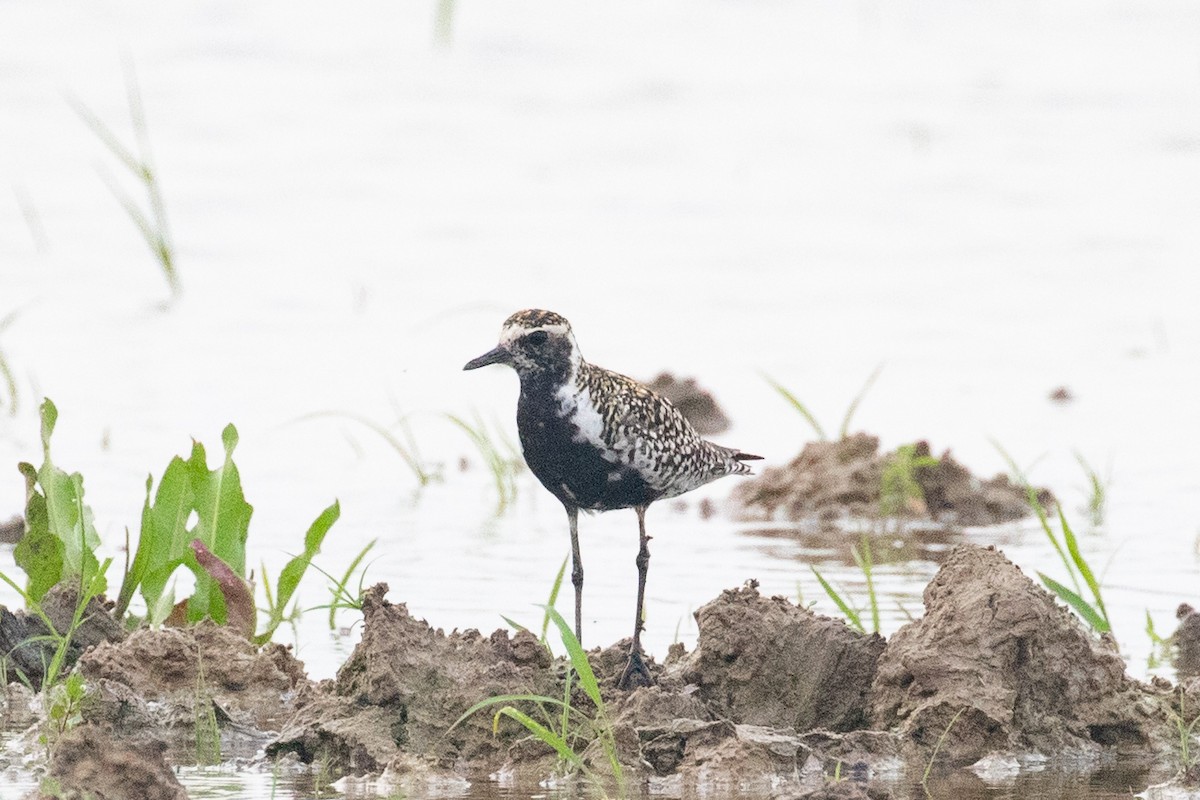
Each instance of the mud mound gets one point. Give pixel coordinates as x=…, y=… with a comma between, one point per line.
x=1011, y=669
x=162, y=674
x=695, y=403
x=88, y=763
x=829, y=480
x=25, y=649
x=419, y=682
x=767, y=662
x=353, y=739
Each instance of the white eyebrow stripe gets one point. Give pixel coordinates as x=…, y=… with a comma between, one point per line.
x=510, y=333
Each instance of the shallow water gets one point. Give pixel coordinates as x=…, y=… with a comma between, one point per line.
x=989, y=202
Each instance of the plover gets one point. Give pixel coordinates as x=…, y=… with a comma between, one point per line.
x=599, y=441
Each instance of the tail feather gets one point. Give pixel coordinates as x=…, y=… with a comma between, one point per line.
x=733, y=465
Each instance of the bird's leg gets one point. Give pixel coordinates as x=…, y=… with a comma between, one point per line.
x=576, y=570
x=636, y=673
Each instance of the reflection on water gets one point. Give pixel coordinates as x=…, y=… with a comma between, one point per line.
x=1112, y=782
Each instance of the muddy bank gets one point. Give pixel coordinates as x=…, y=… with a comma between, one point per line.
x=999, y=662
x=851, y=478
x=773, y=698
x=772, y=693
x=164, y=681
x=404, y=687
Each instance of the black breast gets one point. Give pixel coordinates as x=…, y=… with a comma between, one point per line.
x=575, y=472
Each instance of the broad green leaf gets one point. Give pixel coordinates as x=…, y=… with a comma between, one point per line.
x=66, y=516
x=222, y=523
x=40, y=552
x=164, y=537
x=1081, y=606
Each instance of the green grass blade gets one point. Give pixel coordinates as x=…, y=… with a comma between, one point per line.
x=341, y=596
x=797, y=405
x=506, y=698
x=853, y=407
x=863, y=559
x=850, y=614
x=558, y=579
x=1081, y=564
x=1035, y=504
x=1081, y=606
x=579, y=659
x=542, y=733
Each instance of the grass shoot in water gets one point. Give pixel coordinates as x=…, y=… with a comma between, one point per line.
x=862, y=557
x=1076, y=565
x=152, y=224
x=811, y=419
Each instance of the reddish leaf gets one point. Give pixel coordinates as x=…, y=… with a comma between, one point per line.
x=239, y=604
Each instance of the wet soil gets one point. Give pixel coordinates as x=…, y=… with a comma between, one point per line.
x=996, y=659
x=773, y=699
x=160, y=680
x=26, y=646
x=88, y=765
x=838, y=479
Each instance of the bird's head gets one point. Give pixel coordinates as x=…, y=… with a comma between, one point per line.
x=534, y=343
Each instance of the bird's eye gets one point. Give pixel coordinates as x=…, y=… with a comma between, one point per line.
x=538, y=337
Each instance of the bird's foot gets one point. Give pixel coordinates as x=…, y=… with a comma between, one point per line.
x=636, y=672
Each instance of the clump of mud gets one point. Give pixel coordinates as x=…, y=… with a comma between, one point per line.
x=26, y=647
x=996, y=660
x=88, y=763
x=406, y=684
x=695, y=403
x=160, y=680
x=765, y=661
x=834, y=479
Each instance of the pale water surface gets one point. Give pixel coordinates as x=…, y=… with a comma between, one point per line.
x=989, y=200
